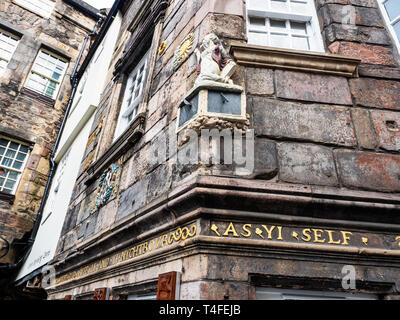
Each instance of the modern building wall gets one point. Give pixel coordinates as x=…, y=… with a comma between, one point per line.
x=70, y=153
x=324, y=192
x=30, y=116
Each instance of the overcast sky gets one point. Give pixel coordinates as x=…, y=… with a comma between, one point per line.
x=100, y=4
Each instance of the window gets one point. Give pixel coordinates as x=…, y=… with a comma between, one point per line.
x=41, y=7
x=8, y=44
x=391, y=13
x=47, y=74
x=290, y=24
x=145, y=297
x=282, y=294
x=13, y=157
x=133, y=96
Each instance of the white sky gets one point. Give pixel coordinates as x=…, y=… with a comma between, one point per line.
x=100, y=4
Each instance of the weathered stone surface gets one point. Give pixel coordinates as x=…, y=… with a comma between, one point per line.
x=376, y=93
x=312, y=87
x=347, y=32
x=159, y=182
x=374, y=71
x=361, y=3
x=206, y=290
x=132, y=199
x=229, y=26
x=368, y=53
x=266, y=164
x=371, y=171
x=260, y=81
x=362, y=123
x=334, y=13
x=326, y=124
x=308, y=164
x=387, y=128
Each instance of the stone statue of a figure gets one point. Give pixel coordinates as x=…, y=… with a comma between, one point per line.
x=214, y=63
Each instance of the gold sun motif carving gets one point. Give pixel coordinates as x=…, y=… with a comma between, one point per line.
x=186, y=46
x=184, y=49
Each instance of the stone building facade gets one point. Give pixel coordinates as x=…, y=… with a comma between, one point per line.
x=320, y=204
x=40, y=42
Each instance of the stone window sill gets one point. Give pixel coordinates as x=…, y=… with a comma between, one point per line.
x=259, y=56
x=37, y=96
x=127, y=139
x=6, y=197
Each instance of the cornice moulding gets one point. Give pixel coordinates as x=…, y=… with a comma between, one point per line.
x=259, y=56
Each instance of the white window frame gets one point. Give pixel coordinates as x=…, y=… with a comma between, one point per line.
x=58, y=82
x=130, y=105
x=290, y=294
x=390, y=23
x=263, y=9
x=3, y=37
x=42, y=8
x=10, y=168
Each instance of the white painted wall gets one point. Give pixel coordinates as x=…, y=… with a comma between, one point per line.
x=70, y=153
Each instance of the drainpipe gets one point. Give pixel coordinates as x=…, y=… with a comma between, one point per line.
x=53, y=165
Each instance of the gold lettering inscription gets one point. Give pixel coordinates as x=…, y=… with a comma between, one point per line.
x=331, y=240
x=307, y=235
x=131, y=253
x=346, y=237
x=231, y=229
x=318, y=236
x=269, y=231
x=246, y=229
x=280, y=229
x=398, y=239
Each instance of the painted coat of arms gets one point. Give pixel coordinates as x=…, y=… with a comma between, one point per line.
x=108, y=185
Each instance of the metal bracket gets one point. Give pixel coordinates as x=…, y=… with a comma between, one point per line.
x=224, y=98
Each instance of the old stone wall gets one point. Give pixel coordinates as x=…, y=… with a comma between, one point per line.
x=29, y=119
x=311, y=128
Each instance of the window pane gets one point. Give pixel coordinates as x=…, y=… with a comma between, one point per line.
x=14, y=146
x=24, y=149
x=278, y=25
x=11, y=154
x=9, y=184
x=17, y=165
x=257, y=22
x=13, y=175
x=258, y=38
x=3, y=142
x=2, y=150
x=2, y=180
x=7, y=162
x=281, y=41
x=393, y=9
x=301, y=43
x=299, y=27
